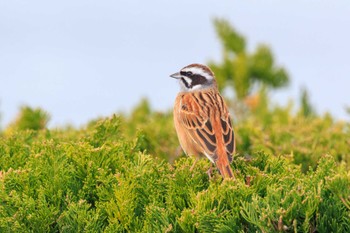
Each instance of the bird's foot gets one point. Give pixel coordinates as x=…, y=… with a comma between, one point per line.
x=210, y=171
x=193, y=165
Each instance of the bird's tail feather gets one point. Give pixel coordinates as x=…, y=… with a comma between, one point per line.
x=225, y=169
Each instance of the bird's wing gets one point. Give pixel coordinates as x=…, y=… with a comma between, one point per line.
x=228, y=134
x=197, y=117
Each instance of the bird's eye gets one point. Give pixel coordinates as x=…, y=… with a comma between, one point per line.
x=189, y=73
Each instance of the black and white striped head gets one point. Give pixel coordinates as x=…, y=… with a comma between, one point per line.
x=195, y=77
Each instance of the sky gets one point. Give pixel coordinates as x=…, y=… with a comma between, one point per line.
x=83, y=59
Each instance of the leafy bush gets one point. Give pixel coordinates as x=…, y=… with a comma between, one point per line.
x=29, y=118
x=275, y=130
x=242, y=70
x=155, y=130
x=98, y=180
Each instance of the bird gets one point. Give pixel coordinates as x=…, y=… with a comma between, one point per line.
x=202, y=120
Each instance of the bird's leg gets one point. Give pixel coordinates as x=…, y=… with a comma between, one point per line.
x=194, y=163
x=210, y=171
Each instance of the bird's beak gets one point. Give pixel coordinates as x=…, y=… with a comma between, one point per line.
x=176, y=75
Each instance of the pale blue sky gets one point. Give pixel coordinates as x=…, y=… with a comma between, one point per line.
x=83, y=59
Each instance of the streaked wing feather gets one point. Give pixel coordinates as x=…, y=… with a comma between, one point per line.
x=200, y=130
x=229, y=137
x=199, y=125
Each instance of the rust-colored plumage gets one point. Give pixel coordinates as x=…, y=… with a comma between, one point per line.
x=202, y=120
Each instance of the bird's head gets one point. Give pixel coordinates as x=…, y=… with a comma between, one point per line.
x=195, y=77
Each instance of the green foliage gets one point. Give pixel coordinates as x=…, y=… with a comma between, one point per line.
x=302, y=138
x=155, y=130
x=0, y=123
x=99, y=179
x=29, y=118
x=347, y=109
x=307, y=110
x=273, y=129
x=242, y=70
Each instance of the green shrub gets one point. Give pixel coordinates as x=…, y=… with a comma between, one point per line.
x=97, y=180
x=275, y=130
x=29, y=119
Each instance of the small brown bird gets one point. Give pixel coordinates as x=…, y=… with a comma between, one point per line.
x=201, y=118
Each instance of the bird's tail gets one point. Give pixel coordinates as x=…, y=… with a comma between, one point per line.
x=224, y=168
